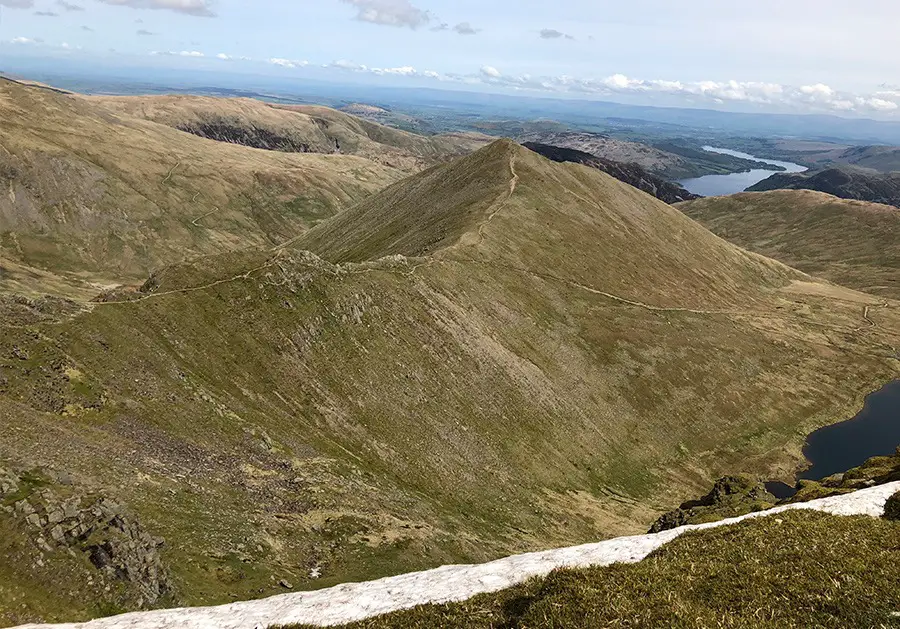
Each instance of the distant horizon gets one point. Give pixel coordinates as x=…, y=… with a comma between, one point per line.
x=187, y=79
x=709, y=55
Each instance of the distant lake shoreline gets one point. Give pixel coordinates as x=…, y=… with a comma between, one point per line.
x=718, y=185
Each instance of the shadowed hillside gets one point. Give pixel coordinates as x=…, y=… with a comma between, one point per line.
x=670, y=160
x=852, y=243
x=496, y=355
x=91, y=197
x=632, y=173
x=845, y=183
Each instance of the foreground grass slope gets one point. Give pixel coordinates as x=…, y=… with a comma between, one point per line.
x=802, y=569
x=852, y=243
x=94, y=197
x=497, y=355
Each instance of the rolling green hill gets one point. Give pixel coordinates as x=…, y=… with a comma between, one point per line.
x=852, y=243
x=92, y=197
x=495, y=355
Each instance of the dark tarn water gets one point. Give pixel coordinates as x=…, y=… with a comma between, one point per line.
x=838, y=448
x=718, y=185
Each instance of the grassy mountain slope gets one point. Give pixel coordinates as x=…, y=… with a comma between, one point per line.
x=546, y=356
x=852, y=243
x=91, y=197
x=845, y=183
x=293, y=128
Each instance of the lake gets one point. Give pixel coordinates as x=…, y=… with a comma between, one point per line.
x=718, y=185
x=875, y=431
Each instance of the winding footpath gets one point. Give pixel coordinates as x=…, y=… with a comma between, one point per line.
x=358, y=601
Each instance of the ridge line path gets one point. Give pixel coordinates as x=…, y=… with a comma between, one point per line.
x=190, y=289
x=512, y=190
x=353, y=602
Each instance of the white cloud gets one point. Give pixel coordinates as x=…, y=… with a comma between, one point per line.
x=464, y=28
x=22, y=40
x=816, y=97
x=200, y=8
x=343, y=64
x=225, y=57
x=17, y=4
x=400, y=13
x=287, y=63
x=552, y=33
x=182, y=53
x=404, y=71
x=879, y=104
x=68, y=6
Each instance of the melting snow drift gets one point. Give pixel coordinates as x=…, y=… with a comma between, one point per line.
x=357, y=601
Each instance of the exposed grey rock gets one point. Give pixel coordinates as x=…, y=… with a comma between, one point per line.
x=892, y=508
x=115, y=542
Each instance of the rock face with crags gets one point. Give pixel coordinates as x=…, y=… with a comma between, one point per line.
x=112, y=540
x=731, y=496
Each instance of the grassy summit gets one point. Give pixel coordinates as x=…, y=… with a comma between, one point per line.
x=852, y=243
x=496, y=355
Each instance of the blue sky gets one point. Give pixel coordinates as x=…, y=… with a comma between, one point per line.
x=830, y=56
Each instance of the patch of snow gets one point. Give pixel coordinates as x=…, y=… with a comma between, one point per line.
x=358, y=601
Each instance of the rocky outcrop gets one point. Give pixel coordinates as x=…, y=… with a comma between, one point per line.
x=632, y=174
x=892, y=508
x=844, y=183
x=737, y=495
x=113, y=540
x=731, y=496
x=234, y=132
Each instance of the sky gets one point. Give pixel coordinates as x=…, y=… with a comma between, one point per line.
x=805, y=56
